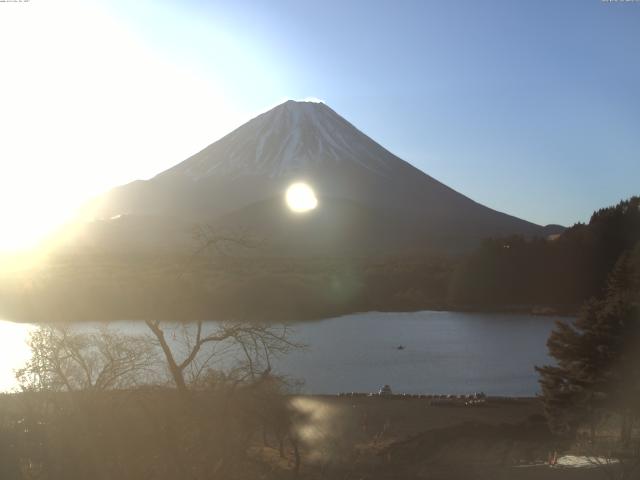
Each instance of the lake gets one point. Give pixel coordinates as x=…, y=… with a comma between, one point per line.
x=444, y=352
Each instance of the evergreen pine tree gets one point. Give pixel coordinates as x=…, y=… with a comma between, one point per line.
x=598, y=363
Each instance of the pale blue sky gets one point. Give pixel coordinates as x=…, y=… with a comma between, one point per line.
x=529, y=107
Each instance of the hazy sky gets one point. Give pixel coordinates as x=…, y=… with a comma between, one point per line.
x=529, y=107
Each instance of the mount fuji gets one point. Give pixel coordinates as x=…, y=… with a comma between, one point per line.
x=369, y=199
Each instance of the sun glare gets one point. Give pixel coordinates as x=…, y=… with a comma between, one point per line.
x=14, y=352
x=81, y=112
x=301, y=198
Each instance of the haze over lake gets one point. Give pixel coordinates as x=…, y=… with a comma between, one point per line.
x=442, y=352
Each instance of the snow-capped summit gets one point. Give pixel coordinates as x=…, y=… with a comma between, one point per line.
x=287, y=140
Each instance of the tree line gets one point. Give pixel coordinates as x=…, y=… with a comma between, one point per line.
x=560, y=272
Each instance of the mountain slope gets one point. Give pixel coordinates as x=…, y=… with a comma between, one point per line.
x=237, y=181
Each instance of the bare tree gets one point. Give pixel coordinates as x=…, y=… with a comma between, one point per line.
x=194, y=348
x=197, y=347
x=64, y=359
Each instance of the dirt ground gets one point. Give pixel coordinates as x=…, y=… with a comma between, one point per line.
x=370, y=438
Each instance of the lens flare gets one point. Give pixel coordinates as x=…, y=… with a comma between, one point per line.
x=301, y=198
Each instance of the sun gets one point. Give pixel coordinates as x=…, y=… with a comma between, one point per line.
x=300, y=197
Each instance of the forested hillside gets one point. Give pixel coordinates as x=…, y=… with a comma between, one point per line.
x=504, y=274
x=561, y=272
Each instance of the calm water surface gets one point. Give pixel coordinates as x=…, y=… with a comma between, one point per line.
x=444, y=352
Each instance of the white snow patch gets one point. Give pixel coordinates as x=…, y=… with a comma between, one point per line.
x=577, y=461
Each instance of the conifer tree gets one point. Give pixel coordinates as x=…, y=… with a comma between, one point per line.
x=598, y=364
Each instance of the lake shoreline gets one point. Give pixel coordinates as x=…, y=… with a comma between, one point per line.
x=489, y=399
x=528, y=310
x=535, y=310
x=427, y=352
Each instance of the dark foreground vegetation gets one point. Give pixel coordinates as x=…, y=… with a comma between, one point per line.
x=146, y=433
x=177, y=402
x=251, y=433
